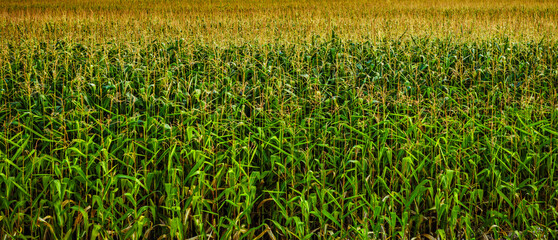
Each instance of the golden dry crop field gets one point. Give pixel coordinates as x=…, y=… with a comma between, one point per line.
x=318, y=119
x=270, y=21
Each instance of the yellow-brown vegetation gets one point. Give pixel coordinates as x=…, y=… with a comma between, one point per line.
x=272, y=21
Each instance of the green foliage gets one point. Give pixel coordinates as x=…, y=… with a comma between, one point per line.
x=328, y=139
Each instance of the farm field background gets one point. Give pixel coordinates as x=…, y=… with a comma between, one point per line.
x=278, y=120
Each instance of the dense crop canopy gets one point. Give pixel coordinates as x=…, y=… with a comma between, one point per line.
x=325, y=139
x=342, y=119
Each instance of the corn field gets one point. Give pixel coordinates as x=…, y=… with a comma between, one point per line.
x=278, y=120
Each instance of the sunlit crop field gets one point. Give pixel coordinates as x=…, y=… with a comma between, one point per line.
x=278, y=119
